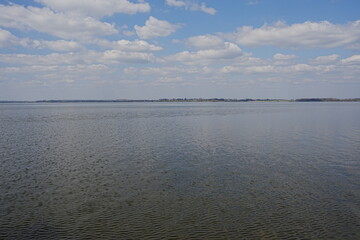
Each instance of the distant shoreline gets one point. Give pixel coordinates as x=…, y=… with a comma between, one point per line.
x=193, y=100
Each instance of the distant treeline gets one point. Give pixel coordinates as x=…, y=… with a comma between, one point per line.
x=327, y=100
x=194, y=100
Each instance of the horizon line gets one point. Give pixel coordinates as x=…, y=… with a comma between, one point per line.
x=313, y=99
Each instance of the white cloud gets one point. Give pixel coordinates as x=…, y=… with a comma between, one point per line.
x=229, y=51
x=7, y=39
x=115, y=56
x=59, y=45
x=74, y=68
x=290, y=64
x=55, y=74
x=84, y=57
x=325, y=59
x=155, y=28
x=297, y=68
x=136, y=46
x=205, y=9
x=96, y=8
x=130, y=46
x=308, y=34
x=54, y=23
x=175, y=3
x=301, y=67
x=49, y=59
x=81, y=68
x=283, y=57
x=248, y=69
x=167, y=71
x=192, y=6
x=205, y=41
x=355, y=59
x=128, y=33
x=260, y=69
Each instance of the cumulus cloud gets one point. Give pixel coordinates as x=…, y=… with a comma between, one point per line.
x=298, y=68
x=308, y=34
x=248, y=69
x=50, y=75
x=49, y=59
x=259, y=70
x=283, y=57
x=325, y=59
x=54, y=23
x=59, y=45
x=74, y=68
x=84, y=57
x=130, y=46
x=328, y=67
x=205, y=42
x=339, y=70
x=155, y=28
x=116, y=56
x=167, y=71
x=229, y=51
x=96, y=8
x=175, y=3
x=355, y=59
x=192, y=6
x=7, y=39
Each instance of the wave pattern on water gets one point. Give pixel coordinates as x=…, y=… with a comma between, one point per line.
x=180, y=171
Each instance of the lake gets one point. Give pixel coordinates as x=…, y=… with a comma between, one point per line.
x=271, y=170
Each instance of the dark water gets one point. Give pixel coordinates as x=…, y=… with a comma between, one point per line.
x=180, y=171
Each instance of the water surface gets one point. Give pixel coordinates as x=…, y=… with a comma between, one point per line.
x=180, y=170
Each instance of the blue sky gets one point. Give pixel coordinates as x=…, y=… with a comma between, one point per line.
x=117, y=49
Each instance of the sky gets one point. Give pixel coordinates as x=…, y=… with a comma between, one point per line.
x=152, y=49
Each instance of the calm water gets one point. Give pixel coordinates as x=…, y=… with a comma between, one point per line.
x=180, y=171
